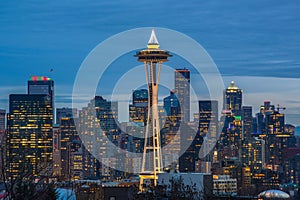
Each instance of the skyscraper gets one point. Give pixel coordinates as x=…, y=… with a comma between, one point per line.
x=230, y=141
x=276, y=139
x=233, y=99
x=247, y=120
x=139, y=108
x=190, y=145
x=208, y=128
x=96, y=121
x=271, y=128
x=56, y=151
x=2, y=140
x=170, y=129
x=68, y=136
x=182, y=90
x=208, y=118
x=253, y=154
x=2, y=121
x=29, y=139
x=89, y=127
x=107, y=113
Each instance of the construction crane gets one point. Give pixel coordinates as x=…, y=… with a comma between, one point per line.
x=280, y=108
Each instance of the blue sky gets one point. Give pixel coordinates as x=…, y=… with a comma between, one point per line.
x=255, y=42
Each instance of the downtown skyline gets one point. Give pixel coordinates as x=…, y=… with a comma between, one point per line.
x=211, y=132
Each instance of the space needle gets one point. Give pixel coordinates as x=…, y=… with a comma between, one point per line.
x=153, y=58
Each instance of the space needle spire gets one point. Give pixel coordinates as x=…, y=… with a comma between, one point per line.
x=152, y=57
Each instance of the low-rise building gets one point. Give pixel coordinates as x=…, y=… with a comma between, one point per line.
x=224, y=185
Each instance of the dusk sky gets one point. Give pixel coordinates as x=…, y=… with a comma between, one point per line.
x=256, y=43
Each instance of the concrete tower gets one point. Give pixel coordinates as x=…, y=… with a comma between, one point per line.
x=152, y=57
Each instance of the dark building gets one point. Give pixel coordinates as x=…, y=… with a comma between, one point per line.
x=2, y=138
x=2, y=121
x=208, y=118
x=190, y=144
x=138, y=110
x=247, y=120
x=170, y=129
x=107, y=113
x=209, y=129
x=182, y=90
x=56, y=151
x=230, y=141
x=29, y=138
x=248, y=143
x=118, y=192
x=253, y=154
x=276, y=138
x=68, y=143
x=270, y=127
x=291, y=166
x=65, y=112
x=258, y=124
x=42, y=85
x=2, y=128
x=171, y=104
x=233, y=99
x=172, y=110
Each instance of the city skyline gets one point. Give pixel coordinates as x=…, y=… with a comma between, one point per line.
x=52, y=39
x=124, y=116
x=225, y=151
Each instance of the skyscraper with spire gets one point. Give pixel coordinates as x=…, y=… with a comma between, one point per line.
x=232, y=99
x=152, y=57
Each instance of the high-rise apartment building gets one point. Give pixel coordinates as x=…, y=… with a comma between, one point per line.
x=97, y=123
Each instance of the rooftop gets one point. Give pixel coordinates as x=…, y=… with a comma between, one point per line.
x=273, y=194
x=232, y=86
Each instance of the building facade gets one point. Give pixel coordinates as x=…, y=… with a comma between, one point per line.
x=182, y=90
x=30, y=135
x=232, y=99
x=138, y=110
